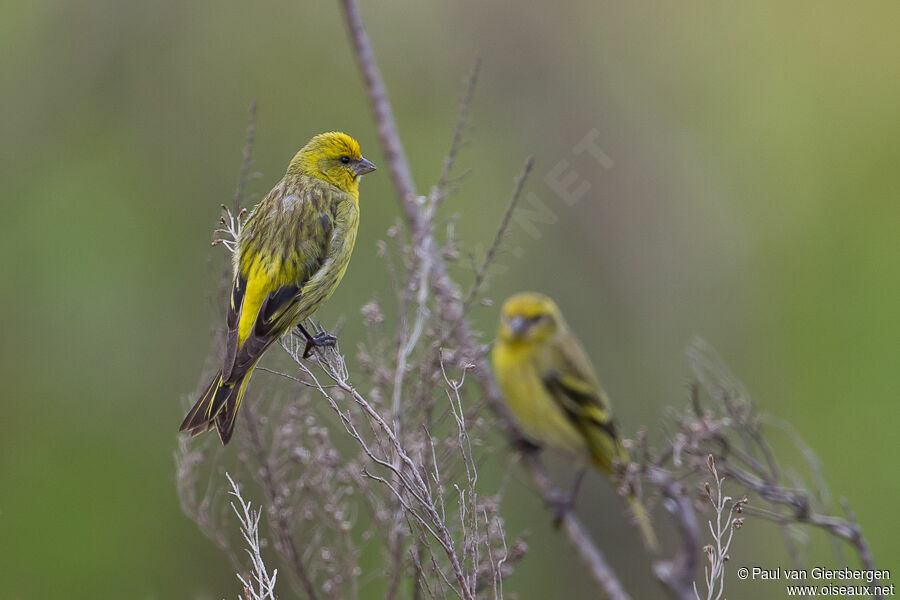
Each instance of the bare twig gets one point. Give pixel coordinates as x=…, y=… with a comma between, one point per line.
x=572, y=527
x=730, y=435
x=481, y=273
x=246, y=161
x=722, y=532
x=384, y=113
x=259, y=585
x=232, y=218
x=440, y=190
x=282, y=529
x=677, y=573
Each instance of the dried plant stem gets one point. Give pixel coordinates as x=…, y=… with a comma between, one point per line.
x=246, y=161
x=677, y=573
x=282, y=528
x=481, y=273
x=462, y=119
x=729, y=437
x=411, y=478
x=259, y=585
x=722, y=532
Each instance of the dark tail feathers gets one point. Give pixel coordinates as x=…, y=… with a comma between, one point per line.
x=217, y=407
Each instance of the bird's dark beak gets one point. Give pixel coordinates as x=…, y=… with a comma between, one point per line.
x=518, y=326
x=363, y=166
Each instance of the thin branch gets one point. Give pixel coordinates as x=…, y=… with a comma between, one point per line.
x=384, y=113
x=481, y=273
x=578, y=536
x=677, y=573
x=725, y=507
x=462, y=119
x=246, y=161
x=282, y=529
x=259, y=585
x=733, y=417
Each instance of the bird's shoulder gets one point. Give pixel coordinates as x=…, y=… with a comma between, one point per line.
x=297, y=206
x=305, y=194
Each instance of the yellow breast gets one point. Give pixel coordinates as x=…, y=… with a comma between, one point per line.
x=536, y=411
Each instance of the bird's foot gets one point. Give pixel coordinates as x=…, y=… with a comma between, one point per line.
x=563, y=506
x=567, y=504
x=525, y=445
x=320, y=340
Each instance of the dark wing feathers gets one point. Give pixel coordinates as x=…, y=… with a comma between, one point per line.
x=234, y=314
x=579, y=401
x=277, y=302
x=569, y=378
x=264, y=332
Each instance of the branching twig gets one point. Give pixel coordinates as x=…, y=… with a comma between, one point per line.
x=731, y=435
x=722, y=532
x=259, y=585
x=282, y=529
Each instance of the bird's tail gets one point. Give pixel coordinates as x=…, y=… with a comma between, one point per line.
x=642, y=519
x=217, y=407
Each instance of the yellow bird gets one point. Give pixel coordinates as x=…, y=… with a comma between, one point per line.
x=551, y=388
x=291, y=255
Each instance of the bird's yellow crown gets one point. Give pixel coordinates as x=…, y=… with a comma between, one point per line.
x=529, y=317
x=334, y=157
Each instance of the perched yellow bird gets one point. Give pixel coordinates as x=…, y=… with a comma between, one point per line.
x=552, y=389
x=291, y=255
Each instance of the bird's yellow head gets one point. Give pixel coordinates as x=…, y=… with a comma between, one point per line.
x=529, y=318
x=334, y=157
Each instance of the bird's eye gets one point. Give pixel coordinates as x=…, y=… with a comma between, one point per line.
x=541, y=320
x=345, y=159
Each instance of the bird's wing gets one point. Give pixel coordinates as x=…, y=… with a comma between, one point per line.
x=238, y=288
x=578, y=400
x=293, y=232
x=266, y=329
x=570, y=381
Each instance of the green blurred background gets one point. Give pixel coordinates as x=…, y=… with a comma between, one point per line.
x=752, y=199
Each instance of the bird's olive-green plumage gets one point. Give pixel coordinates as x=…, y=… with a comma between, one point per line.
x=551, y=387
x=292, y=253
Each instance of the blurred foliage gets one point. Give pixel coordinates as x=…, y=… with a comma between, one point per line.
x=753, y=199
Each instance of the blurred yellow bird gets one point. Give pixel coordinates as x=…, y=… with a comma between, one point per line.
x=552, y=389
x=291, y=255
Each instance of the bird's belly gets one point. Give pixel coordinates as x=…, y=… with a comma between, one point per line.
x=539, y=415
x=323, y=284
x=318, y=291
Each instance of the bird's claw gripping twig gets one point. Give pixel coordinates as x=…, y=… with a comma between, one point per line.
x=563, y=507
x=525, y=445
x=322, y=339
x=566, y=504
